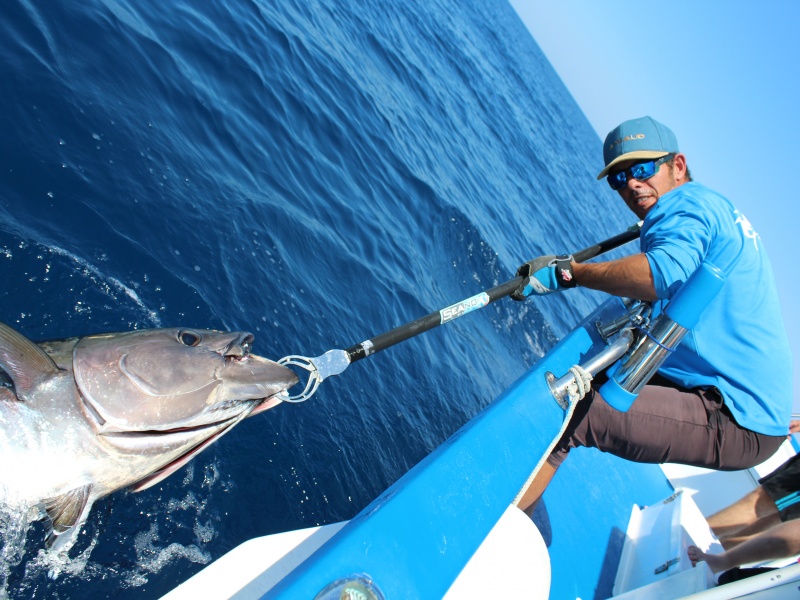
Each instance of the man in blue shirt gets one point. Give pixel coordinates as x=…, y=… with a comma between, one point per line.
x=723, y=399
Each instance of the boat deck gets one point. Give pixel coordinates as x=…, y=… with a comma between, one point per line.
x=585, y=516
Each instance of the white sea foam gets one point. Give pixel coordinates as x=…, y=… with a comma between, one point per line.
x=111, y=283
x=151, y=558
x=13, y=531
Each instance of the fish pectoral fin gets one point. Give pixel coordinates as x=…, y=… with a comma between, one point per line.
x=25, y=362
x=65, y=510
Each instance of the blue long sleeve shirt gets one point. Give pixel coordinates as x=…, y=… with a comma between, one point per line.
x=740, y=345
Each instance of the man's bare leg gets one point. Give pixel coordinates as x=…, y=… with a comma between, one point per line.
x=535, y=490
x=782, y=541
x=749, y=532
x=742, y=513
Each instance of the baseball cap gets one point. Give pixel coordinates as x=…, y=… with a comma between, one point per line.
x=641, y=138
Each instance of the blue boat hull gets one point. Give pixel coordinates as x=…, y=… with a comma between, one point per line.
x=415, y=539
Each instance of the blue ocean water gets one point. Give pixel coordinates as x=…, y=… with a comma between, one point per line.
x=315, y=172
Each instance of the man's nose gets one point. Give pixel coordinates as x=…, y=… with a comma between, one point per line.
x=633, y=184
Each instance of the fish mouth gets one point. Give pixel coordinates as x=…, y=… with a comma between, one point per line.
x=216, y=428
x=172, y=466
x=236, y=409
x=176, y=431
x=222, y=428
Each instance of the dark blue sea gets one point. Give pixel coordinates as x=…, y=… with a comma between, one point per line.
x=316, y=172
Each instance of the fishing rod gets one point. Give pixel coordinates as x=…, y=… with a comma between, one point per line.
x=334, y=362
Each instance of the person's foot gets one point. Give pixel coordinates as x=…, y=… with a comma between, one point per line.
x=716, y=562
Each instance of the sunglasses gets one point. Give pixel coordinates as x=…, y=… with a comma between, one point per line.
x=640, y=172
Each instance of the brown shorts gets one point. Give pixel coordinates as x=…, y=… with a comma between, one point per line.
x=666, y=424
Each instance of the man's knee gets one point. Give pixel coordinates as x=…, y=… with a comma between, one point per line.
x=764, y=504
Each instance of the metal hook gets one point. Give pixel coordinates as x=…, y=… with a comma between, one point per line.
x=320, y=368
x=311, y=384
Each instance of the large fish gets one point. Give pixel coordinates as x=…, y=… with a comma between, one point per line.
x=84, y=417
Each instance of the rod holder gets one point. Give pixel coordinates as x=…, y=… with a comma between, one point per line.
x=628, y=376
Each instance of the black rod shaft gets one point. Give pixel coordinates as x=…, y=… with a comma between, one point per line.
x=454, y=311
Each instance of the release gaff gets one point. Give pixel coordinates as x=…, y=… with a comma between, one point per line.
x=334, y=362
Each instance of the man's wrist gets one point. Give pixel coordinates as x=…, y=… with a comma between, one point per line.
x=565, y=272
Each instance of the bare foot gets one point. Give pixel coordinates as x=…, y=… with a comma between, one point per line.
x=716, y=562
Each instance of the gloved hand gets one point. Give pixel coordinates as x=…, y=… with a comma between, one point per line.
x=544, y=275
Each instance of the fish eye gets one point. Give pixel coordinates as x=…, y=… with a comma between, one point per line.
x=189, y=338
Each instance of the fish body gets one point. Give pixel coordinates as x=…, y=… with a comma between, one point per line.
x=84, y=417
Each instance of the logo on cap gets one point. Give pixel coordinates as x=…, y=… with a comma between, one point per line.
x=627, y=138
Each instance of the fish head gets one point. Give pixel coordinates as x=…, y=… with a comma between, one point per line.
x=171, y=379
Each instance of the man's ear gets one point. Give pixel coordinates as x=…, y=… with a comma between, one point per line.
x=679, y=167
